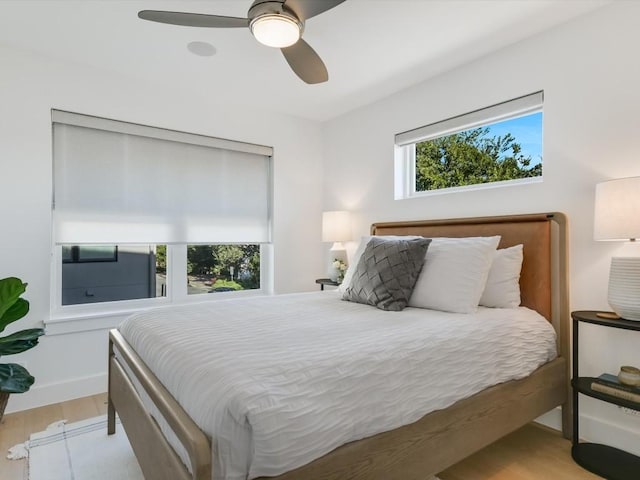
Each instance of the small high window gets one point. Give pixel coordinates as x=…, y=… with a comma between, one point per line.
x=497, y=145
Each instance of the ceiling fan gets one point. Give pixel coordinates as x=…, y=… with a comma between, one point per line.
x=274, y=23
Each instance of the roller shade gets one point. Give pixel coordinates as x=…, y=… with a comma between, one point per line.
x=115, y=187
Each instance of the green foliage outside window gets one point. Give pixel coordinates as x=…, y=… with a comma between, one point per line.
x=469, y=158
x=161, y=259
x=220, y=260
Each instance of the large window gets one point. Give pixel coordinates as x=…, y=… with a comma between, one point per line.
x=497, y=145
x=143, y=214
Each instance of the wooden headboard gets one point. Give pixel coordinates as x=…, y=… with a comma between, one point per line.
x=543, y=280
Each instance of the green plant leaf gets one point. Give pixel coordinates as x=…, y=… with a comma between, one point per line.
x=15, y=312
x=20, y=341
x=10, y=289
x=14, y=378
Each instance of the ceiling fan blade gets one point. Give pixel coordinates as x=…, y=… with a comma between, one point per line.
x=305, y=62
x=193, y=19
x=306, y=9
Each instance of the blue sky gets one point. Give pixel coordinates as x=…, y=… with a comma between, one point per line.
x=528, y=133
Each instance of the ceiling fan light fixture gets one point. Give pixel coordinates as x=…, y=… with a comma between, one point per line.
x=276, y=30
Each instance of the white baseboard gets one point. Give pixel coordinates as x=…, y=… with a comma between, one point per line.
x=624, y=437
x=41, y=395
x=551, y=419
x=598, y=430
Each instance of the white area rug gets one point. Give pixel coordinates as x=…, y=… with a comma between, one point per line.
x=82, y=451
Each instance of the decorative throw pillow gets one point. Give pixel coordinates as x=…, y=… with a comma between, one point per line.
x=454, y=274
x=386, y=272
x=358, y=253
x=503, y=283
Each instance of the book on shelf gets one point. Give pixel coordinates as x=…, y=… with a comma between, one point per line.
x=609, y=384
x=612, y=381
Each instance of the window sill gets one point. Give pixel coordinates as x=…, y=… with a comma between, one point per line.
x=470, y=188
x=107, y=316
x=84, y=323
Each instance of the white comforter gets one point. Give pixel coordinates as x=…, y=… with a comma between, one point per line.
x=279, y=381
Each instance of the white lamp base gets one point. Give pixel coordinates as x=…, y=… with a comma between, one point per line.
x=624, y=287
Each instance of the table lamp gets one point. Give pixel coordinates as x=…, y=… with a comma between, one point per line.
x=617, y=217
x=336, y=228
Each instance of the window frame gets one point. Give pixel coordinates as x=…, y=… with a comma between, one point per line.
x=92, y=316
x=176, y=293
x=405, y=151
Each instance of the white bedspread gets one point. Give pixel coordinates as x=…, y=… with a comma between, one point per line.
x=279, y=381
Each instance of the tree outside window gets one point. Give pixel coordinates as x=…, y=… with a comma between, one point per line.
x=508, y=150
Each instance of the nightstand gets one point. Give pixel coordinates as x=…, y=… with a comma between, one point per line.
x=326, y=281
x=608, y=462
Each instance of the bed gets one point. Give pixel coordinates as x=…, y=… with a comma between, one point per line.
x=447, y=435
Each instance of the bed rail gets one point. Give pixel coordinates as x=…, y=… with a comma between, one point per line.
x=156, y=456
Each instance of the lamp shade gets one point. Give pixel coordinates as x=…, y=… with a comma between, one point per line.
x=617, y=209
x=617, y=217
x=336, y=226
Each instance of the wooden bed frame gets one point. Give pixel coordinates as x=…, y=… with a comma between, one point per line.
x=428, y=446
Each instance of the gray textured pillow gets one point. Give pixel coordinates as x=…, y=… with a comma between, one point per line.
x=386, y=272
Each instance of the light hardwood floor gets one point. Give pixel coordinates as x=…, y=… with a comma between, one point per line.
x=16, y=428
x=531, y=453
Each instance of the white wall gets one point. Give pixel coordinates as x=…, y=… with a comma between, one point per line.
x=590, y=75
x=587, y=68
x=71, y=365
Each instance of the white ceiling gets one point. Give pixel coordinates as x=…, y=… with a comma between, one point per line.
x=372, y=48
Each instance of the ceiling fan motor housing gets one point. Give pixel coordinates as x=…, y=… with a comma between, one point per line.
x=262, y=9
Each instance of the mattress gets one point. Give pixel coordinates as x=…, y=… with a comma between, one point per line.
x=279, y=381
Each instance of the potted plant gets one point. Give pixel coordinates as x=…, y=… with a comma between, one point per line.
x=14, y=378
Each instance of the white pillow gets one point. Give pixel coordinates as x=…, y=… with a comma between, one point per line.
x=454, y=274
x=348, y=275
x=503, y=283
